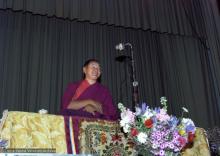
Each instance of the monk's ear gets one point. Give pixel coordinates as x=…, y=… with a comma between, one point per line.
x=84, y=70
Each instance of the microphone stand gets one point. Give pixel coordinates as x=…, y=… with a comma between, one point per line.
x=135, y=99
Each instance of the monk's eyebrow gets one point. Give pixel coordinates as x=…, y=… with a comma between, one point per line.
x=95, y=65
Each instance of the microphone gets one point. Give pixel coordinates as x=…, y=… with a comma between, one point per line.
x=121, y=54
x=120, y=46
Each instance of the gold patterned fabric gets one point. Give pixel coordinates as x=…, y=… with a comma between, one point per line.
x=200, y=145
x=100, y=137
x=33, y=130
x=103, y=137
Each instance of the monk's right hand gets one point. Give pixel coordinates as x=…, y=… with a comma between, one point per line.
x=90, y=109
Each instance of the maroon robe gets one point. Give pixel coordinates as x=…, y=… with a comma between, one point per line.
x=95, y=92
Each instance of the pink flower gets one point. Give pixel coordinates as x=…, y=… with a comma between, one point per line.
x=162, y=116
x=127, y=119
x=182, y=141
x=128, y=116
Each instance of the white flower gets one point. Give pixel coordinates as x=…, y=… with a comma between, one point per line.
x=185, y=110
x=121, y=107
x=128, y=116
x=148, y=114
x=123, y=122
x=137, y=111
x=155, y=146
x=163, y=100
x=187, y=121
x=142, y=137
x=126, y=128
x=43, y=111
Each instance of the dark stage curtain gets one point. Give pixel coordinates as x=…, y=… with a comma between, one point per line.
x=39, y=56
x=167, y=16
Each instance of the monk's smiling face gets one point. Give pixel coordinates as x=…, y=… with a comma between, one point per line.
x=92, y=71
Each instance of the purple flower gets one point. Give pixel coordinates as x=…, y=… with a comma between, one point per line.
x=162, y=153
x=166, y=145
x=154, y=146
x=154, y=119
x=171, y=146
x=175, y=134
x=157, y=110
x=173, y=121
x=143, y=108
x=159, y=126
x=158, y=137
x=176, y=149
x=163, y=116
x=163, y=133
x=162, y=146
x=177, y=143
x=158, y=133
x=190, y=128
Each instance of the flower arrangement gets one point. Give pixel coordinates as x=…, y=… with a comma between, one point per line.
x=161, y=133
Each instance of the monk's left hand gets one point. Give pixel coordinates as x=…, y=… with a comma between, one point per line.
x=90, y=109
